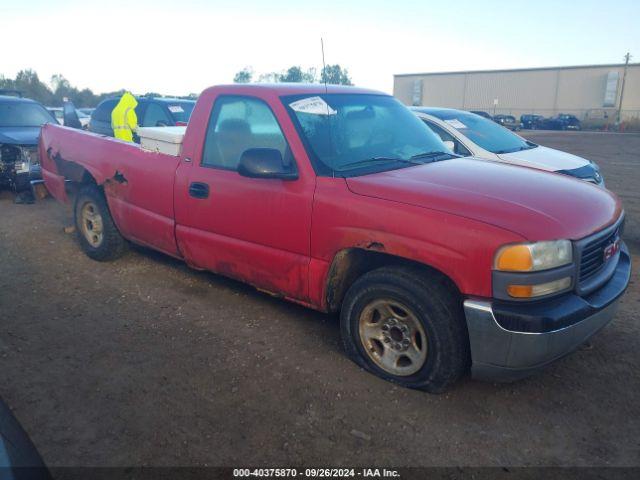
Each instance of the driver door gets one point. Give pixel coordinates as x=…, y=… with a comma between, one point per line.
x=253, y=229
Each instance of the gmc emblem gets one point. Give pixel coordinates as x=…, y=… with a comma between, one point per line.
x=611, y=249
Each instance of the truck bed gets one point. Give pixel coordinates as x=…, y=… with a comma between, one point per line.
x=116, y=166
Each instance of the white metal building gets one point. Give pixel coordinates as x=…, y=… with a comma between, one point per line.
x=590, y=91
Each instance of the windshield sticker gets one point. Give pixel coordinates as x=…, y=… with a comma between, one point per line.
x=313, y=106
x=455, y=123
x=175, y=109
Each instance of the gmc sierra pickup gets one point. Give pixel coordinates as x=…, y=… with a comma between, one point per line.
x=342, y=200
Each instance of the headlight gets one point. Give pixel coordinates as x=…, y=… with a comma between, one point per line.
x=533, y=257
x=531, y=270
x=28, y=157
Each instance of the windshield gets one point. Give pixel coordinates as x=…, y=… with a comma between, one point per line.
x=181, y=111
x=356, y=134
x=484, y=133
x=23, y=114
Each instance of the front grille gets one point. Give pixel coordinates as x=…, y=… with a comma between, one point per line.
x=9, y=154
x=592, y=259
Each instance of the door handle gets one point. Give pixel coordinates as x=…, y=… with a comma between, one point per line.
x=199, y=190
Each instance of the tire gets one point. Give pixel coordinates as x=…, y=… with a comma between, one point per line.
x=98, y=236
x=429, y=303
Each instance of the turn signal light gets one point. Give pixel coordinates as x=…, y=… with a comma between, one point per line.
x=531, y=291
x=516, y=258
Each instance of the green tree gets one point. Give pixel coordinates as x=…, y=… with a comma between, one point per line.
x=295, y=74
x=271, y=77
x=243, y=76
x=29, y=84
x=335, y=75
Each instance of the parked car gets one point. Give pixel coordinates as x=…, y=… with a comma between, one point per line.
x=341, y=199
x=482, y=114
x=531, y=122
x=58, y=113
x=563, y=121
x=508, y=121
x=151, y=112
x=20, y=122
x=467, y=134
x=86, y=111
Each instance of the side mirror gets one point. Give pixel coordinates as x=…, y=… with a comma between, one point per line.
x=265, y=163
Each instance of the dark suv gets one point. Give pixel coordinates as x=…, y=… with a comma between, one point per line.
x=531, y=122
x=563, y=121
x=20, y=122
x=507, y=121
x=151, y=112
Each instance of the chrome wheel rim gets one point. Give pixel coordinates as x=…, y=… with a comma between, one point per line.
x=393, y=337
x=91, y=224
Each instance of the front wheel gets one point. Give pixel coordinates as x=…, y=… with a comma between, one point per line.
x=97, y=234
x=406, y=327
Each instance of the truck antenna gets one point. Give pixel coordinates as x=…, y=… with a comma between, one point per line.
x=324, y=67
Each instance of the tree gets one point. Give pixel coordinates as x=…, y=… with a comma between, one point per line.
x=243, y=76
x=29, y=84
x=272, y=77
x=293, y=75
x=59, y=82
x=335, y=75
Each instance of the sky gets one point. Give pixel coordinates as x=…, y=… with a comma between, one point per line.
x=183, y=46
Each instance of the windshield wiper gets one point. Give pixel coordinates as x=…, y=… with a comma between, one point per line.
x=376, y=159
x=519, y=149
x=434, y=155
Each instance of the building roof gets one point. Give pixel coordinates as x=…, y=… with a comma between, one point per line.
x=510, y=70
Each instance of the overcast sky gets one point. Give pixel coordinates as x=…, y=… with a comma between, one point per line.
x=183, y=46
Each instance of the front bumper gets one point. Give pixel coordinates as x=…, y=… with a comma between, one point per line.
x=24, y=180
x=556, y=328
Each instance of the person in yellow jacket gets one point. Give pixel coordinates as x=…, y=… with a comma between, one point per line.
x=124, y=120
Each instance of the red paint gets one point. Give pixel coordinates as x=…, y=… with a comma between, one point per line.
x=282, y=236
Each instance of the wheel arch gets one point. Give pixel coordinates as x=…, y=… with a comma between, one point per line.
x=351, y=263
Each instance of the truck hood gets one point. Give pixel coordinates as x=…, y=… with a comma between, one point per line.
x=544, y=158
x=534, y=204
x=19, y=135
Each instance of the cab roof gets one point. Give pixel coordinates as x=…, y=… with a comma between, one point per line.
x=282, y=89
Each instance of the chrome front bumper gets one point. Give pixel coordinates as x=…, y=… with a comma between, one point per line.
x=501, y=354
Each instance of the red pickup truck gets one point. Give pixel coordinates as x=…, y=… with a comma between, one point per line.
x=342, y=200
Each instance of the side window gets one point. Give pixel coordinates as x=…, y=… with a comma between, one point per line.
x=445, y=136
x=103, y=112
x=238, y=124
x=156, y=116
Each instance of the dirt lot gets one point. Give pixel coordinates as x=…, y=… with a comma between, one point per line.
x=145, y=362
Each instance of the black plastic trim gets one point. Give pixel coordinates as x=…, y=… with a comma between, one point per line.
x=565, y=310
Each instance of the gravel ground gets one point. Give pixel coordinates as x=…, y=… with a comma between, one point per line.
x=143, y=361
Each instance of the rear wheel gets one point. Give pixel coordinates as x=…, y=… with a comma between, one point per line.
x=406, y=327
x=97, y=234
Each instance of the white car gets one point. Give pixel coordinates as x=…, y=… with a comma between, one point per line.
x=59, y=114
x=468, y=134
